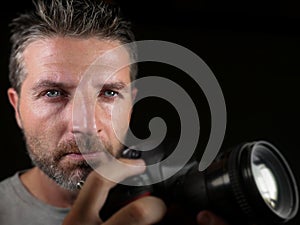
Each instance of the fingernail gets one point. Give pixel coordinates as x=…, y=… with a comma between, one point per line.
x=139, y=162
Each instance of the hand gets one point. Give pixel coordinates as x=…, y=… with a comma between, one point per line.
x=209, y=218
x=176, y=214
x=92, y=196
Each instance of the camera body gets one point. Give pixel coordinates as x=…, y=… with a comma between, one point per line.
x=251, y=183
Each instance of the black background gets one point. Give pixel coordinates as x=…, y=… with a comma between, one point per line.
x=251, y=46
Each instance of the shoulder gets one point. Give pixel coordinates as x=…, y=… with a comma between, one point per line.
x=7, y=183
x=11, y=187
x=8, y=191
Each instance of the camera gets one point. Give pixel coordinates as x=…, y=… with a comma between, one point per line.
x=251, y=183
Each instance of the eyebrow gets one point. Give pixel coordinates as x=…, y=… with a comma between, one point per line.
x=53, y=84
x=113, y=86
x=49, y=83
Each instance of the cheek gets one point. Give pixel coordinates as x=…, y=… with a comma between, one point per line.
x=113, y=119
x=30, y=115
x=39, y=118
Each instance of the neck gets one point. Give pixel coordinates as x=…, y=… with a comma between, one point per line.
x=46, y=190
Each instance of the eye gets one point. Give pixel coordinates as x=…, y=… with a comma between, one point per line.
x=110, y=93
x=53, y=93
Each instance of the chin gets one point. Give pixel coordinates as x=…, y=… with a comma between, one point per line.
x=68, y=179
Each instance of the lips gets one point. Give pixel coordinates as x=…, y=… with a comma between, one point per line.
x=74, y=155
x=88, y=156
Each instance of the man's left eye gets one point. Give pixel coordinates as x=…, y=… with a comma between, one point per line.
x=110, y=93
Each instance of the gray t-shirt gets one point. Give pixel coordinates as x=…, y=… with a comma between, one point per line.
x=18, y=206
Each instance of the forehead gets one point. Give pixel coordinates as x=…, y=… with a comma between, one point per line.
x=71, y=58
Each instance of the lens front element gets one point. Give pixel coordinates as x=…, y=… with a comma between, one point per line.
x=266, y=183
x=274, y=180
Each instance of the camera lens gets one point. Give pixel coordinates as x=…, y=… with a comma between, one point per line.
x=250, y=182
x=263, y=183
x=274, y=180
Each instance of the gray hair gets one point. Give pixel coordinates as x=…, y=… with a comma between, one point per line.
x=72, y=18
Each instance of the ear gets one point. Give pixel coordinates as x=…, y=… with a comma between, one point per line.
x=133, y=93
x=133, y=96
x=14, y=101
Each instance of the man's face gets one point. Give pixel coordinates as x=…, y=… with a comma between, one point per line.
x=55, y=68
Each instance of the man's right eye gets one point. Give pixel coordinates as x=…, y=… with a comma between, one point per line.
x=53, y=93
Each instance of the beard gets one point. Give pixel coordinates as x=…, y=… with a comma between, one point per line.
x=66, y=173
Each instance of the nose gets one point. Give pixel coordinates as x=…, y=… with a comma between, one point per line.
x=83, y=114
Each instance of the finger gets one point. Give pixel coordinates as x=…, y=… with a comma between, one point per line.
x=96, y=187
x=209, y=218
x=146, y=210
x=94, y=192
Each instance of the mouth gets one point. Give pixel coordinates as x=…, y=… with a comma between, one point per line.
x=87, y=156
x=79, y=155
